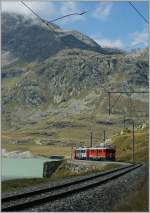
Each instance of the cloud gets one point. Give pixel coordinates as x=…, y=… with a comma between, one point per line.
x=111, y=43
x=47, y=10
x=139, y=38
x=68, y=8
x=15, y=7
x=102, y=11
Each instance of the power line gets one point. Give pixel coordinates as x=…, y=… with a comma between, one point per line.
x=133, y=6
x=72, y=14
x=115, y=102
x=47, y=22
x=33, y=11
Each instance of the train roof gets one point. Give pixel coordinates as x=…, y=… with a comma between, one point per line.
x=104, y=147
x=82, y=148
x=94, y=148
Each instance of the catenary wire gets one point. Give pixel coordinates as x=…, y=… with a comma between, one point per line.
x=32, y=11
x=46, y=22
x=67, y=16
x=133, y=6
x=115, y=102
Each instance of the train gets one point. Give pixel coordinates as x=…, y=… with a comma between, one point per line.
x=100, y=153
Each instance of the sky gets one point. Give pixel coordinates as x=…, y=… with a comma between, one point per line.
x=110, y=24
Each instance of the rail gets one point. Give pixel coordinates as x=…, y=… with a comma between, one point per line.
x=39, y=197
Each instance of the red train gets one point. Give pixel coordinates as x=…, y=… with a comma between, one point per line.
x=95, y=153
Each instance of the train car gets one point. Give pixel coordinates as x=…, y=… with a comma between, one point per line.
x=81, y=153
x=101, y=153
x=95, y=153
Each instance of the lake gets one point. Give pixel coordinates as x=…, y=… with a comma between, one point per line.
x=22, y=168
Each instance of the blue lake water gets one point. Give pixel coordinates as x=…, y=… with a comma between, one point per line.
x=22, y=168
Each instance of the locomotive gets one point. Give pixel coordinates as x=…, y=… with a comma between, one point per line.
x=105, y=152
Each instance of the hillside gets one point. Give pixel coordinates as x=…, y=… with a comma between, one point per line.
x=55, y=84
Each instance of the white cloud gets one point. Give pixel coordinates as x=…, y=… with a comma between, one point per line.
x=68, y=8
x=15, y=7
x=139, y=38
x=111, y=43
x=47, y=10
x=103, y=10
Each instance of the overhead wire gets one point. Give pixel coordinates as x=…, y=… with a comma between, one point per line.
x=47, y=22
x=72, y=14
x=115, y=102
x=39, y=17
x=133, y=6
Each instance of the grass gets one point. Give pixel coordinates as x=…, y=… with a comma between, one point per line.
x=66, y=170
x=42, y=150
x=124, y=146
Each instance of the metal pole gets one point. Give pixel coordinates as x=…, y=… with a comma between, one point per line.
x=133, y=140
x=109, y=102
x=124, y=122
x=91, y=138
x=71, y=152
x=104, y=136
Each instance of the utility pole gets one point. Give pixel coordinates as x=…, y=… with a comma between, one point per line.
x=91, y=138
x=133, y=137
x=124, y=117
x=109, y=102
x=104, y=139
x=121, y=92
x=133, y=140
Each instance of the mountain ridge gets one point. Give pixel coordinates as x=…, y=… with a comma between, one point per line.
x=35, y=34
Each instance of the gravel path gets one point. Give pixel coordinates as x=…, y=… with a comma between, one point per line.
x=102, y=198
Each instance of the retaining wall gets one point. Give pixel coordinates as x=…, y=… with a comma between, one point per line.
x=50, y=166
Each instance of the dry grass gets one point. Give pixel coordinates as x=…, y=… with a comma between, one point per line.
x=124, y=146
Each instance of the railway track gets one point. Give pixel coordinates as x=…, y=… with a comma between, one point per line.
x=34, y=198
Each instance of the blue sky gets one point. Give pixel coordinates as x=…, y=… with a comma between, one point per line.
x=111, y=24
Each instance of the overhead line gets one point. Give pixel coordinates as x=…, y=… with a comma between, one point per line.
x=115, y=102
x=133, y=6
x=67, y=16
x=47, y=22
x=32, y=11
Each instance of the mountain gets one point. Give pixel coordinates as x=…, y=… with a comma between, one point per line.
x=30, y=40
x=56, y=82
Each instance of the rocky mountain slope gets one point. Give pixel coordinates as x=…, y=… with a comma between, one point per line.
x=54, y=82
x=20, y=35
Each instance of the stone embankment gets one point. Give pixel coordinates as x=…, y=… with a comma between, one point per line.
x=50, y=167
x=77, y=167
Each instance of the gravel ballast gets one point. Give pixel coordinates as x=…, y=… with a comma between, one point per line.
x=101, y=198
